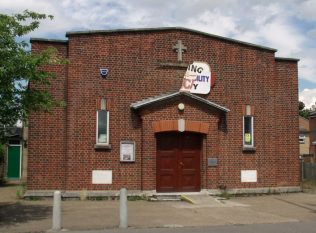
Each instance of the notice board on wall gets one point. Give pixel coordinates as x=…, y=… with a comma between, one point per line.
x=127, y=151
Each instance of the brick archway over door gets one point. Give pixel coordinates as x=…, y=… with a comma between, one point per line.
x=173, y=125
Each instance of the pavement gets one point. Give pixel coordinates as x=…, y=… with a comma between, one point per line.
x=17, y=215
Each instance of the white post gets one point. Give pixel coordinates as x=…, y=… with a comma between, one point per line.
x=123, y=208
x=57, y=211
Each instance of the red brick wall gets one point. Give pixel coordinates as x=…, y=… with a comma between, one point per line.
x=244, y=75
x=286, y=106
x=47, y=138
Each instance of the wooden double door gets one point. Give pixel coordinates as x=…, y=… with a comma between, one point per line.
x=178, y=162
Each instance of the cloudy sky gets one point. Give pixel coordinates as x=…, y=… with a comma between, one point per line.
x=286, y=25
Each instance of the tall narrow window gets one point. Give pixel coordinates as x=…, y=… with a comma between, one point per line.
x=248, y=128
x=103, y=124
x=248, y=131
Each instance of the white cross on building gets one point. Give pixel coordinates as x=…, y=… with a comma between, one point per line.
x=180, y=48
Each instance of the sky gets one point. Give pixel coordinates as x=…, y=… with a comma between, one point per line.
x=286, y=25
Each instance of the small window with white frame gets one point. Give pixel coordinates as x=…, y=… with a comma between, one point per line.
x=102, y=134
x=302, y=139
x=248, y=139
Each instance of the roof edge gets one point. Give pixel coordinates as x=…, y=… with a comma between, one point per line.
x=168, y=29
x=48, y=40
x=287, y=59
x=149, y=101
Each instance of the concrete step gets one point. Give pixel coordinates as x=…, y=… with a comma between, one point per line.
x=168, y=197
x=206, y=201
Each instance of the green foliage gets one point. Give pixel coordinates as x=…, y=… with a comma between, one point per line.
x=19, y=68
x=21, y=191
x=301, y=105
x=98, y=198
x=34, y=198
x=1, y=157
x=137, y=198
x=303, y=111
x=1, y=150
x=225, y=194
x=1, y=164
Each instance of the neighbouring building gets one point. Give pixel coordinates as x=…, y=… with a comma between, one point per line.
x=166, y=110
x=15, y=154
x=312, y=123
x=304, y=139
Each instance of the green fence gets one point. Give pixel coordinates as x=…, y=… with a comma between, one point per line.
x=309, y=171
x=2, y=164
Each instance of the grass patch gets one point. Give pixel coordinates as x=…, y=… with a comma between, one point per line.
x=34, y=198
x=137, y=198
x=225, y=194
x=21, y=191
x=99, y=198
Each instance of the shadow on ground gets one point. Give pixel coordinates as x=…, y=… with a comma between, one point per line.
x=13, y=213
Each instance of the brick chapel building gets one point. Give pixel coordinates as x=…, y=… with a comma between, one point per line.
x=166, y=110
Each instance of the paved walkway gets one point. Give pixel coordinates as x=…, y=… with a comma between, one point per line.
x=35, y=216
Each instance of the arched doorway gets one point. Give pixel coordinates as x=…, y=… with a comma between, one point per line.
x=178, y=162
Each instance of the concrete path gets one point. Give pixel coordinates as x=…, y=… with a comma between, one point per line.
x=35, y=216
x=297, y=227
x=206, y=201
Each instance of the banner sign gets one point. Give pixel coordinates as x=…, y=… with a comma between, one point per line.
x=197, y=78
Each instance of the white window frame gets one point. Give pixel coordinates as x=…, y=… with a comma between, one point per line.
x=107, y=127
x=301, y=139
x=252, y=132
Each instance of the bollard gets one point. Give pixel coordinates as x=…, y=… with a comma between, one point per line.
x=123, y=208
x=57, y=211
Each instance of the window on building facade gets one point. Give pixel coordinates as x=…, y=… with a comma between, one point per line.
x=302, y=139
x=248, y=128
x=248, y=131
x=102, y=125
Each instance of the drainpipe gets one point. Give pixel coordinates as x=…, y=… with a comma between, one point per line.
x=301, y=158
x=141, y=153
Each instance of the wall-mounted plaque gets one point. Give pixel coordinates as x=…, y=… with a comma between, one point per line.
x=248, y=175
x=127, y=151
x=101, y=177
x=212, y=162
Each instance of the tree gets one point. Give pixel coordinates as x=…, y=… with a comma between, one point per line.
x=19, y=67
x=303, y=111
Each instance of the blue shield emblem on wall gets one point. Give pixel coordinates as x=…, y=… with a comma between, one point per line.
x=104, y=72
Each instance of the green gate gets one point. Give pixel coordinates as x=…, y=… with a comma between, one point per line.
x=14, y=162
